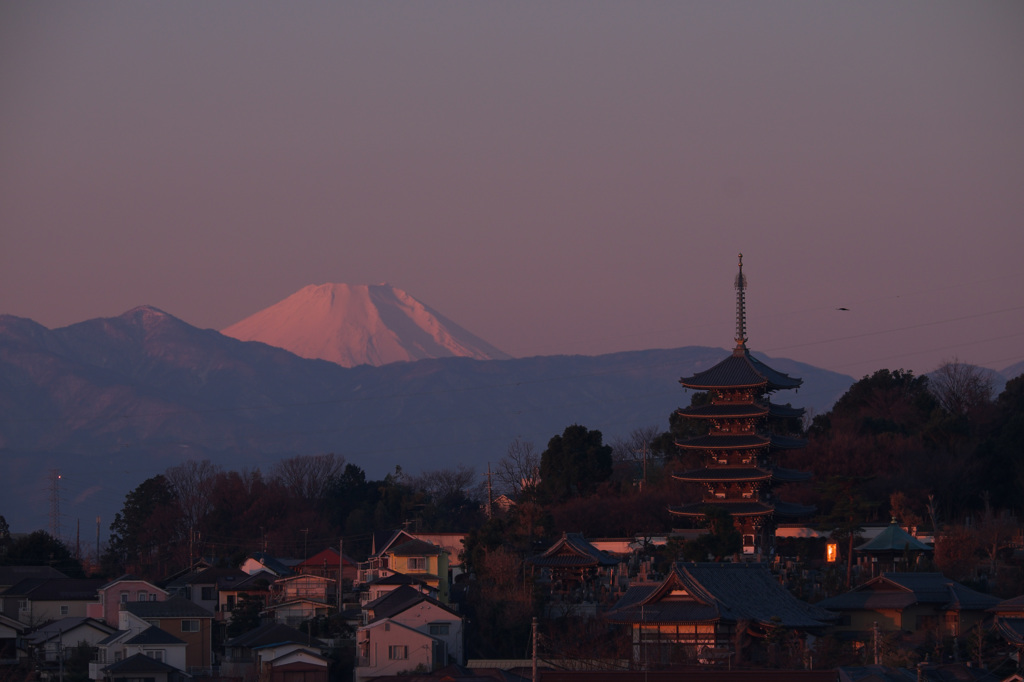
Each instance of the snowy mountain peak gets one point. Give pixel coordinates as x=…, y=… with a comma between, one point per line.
x=360, y=324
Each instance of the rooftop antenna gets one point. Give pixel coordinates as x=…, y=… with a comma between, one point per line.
x=741, y=311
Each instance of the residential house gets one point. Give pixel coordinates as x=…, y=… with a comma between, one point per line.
x=179, y=617
x=378, y=588
x=298, y=598
x=141, y=667
x=708, y=613
x=326, y=565
x=40, y=600
x=298, y=665
x=201, y=587
x=121, y=591
x=261, y=561
x=909, y=602
x=10, y=632
x=12, y=575
x=55, y=640
x=252, y=653
x=404, y=629
x=416, y=558
x=232, y=594
x=152, y=642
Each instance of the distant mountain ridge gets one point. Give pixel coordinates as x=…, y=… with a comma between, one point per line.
x=110, y=402
x=360, y=325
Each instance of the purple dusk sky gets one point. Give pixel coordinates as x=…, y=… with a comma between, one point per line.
x=558, y=177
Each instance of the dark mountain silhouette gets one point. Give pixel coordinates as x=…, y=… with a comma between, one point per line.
x=111, y=402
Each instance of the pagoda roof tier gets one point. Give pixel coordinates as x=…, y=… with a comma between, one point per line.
x=740, y=370
x=790, y=475
x=735, y=507
x=794, y=510
x=737, y=410
x=710, y=474
x=740, y=410
x=712, y=441
x=725, y=442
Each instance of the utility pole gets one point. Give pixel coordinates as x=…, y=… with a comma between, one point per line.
x=533, y=637
x=305, y=543
x=97, y=540
x=490, y=497
x=341, y=574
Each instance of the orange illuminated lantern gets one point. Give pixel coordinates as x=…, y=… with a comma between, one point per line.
x=831, y=552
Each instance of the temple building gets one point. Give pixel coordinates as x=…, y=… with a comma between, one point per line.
x=739, y=451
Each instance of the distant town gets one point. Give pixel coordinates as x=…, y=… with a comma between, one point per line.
x=747, y=540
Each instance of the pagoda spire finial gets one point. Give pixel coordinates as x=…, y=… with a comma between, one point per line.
x=741, y=310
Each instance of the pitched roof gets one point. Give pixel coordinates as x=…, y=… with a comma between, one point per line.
x=269, y=634
x=572, y=549
x=398, y=579
x=740, y=370
x=175, y=607
x=900, y=590
x=154, y=635
x=702, y=592
x=12, y=575
x=57, y=589
x=416, y=548
x=893, y=539
x=63, y=626
x=398, y=600
x=140, y=663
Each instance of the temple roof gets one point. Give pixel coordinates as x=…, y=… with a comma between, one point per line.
x=708, y=592
x=892, y=540
x=740, y=370
x=900, y=590
x=736, y=410
x=572, y=550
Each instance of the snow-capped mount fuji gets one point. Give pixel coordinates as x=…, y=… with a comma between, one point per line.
x=360, y=324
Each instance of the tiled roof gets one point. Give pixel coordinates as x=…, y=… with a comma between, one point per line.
x=893, y=539
x=416, y=548
x=724, y=474
x=64, y=626
x=139, y=663
x=899, y=590
x=398, y=600
x=740, y=370
x=154, y=635
x=736, y=508
x=571, y=550
x=725, y=410
x=711, y=441
x=716, y=591
x=12, y=575
x=175, y=607
x=57, y=589
x=270, y=633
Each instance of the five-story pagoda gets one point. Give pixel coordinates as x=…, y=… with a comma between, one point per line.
x=739, y=451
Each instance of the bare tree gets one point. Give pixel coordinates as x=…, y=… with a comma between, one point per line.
x=192, y=482
x=519, y=468
x=444, y=483
x=960, y=387
x=308, y=476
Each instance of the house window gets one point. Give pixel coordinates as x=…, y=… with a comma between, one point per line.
x=398, y=652
x=190, y=626
x=156, y=654
x=143, y=596
x=208, y=594
x=417, y=563
x=64, y=609
x=124, y=597
x=440, y=628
